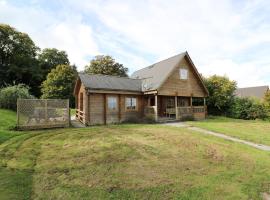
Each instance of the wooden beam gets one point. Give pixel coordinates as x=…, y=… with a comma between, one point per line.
x=176, y=109
x=85, y=108
x=151, y=92
x=114, y=92
x=156, y=108
x=119, y=107
x=191, y=105
x=105, y=108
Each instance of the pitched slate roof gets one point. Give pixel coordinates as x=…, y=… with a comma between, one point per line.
x=257, y=92
x=146, y=79
x=106, y=82
x=154, y=75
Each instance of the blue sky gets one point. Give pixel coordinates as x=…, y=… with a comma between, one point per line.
x=222, y=37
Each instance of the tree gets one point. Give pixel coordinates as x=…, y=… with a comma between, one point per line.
x=221, y=93
x=50, y=58
x=106, y=65
x=18, y=62
x=60, y=83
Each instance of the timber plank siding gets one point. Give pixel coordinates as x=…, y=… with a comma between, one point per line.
x=101, y=99
x=188, y=87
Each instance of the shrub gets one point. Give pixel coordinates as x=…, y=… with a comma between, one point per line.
x=10, y=94
x=221, y=94
x=247, y=108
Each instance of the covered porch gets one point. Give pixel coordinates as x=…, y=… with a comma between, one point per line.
x=169, y=108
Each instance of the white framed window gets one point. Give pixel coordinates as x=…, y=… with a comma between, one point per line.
x=112, y=103
x=131, y=103
x=183, y=74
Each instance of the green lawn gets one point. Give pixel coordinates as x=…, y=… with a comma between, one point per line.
x=128, y=162
x=72, y=111
x=251, y=130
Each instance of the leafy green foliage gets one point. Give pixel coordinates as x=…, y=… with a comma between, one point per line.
x=267, y=98
x=60, y=83
x=18, y=62
x=106, y=65
x=221, y=93
x=50, y=58
x=247, y=108
x=10, y=94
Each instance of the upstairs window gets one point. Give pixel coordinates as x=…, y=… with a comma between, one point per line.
x=112, y=103
x=131, y=103
x=183, y=74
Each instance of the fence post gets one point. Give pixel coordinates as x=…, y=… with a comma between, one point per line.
x=46, y=110
x=18, y=109
x=68, y=112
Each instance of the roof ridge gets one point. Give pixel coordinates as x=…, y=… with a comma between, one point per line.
x=114, y=76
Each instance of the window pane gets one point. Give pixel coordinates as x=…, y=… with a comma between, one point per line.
x=183, y=73
x=131, y=103
x=112, y=103
x=134, y=102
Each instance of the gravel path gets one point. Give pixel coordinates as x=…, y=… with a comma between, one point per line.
x=182, y=124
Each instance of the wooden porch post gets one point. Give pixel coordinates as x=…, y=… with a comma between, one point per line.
x=105, y=108
x=119, y=107
x=176, y=109
x=191, y=105
x=85, y=107
x=156, y=108
x=204, y=105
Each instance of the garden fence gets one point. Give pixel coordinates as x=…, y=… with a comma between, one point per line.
x=42, y=113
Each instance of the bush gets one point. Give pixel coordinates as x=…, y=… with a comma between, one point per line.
x=10, y=94
x=221, y=94
x=247, y=108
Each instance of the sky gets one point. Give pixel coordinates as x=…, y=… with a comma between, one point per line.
x=224, y=37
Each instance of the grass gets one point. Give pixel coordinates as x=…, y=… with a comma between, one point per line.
x=72, y=111
x=128, y=162
x=257, y=131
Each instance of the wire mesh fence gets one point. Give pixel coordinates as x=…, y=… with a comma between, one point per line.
x=42, y=113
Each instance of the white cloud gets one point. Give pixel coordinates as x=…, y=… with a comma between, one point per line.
x=51, y=30
x=222, y=37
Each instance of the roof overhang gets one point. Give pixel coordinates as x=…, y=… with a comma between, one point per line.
x=106, y=91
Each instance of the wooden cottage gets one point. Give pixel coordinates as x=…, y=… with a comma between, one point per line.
x=171, y=89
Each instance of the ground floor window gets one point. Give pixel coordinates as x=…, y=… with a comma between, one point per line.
x=131, y=103
x=112, y=103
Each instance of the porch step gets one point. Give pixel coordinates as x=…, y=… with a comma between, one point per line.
x=165, y=120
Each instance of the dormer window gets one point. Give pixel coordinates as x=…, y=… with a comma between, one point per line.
x=183, y=74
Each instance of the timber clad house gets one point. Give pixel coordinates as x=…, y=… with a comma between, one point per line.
x=171, y=89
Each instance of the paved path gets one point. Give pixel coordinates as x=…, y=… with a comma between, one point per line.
x=226, y=137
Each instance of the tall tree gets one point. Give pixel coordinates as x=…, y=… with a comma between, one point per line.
x=106, y=65
x=50, y=58
x=18, y=62
x=60, y=83
x=221, y=93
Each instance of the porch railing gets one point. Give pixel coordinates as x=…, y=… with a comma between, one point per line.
x=79, y=115
x=191, y=110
